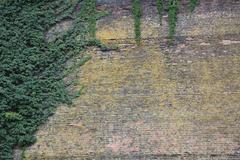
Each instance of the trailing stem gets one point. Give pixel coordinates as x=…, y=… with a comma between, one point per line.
x=136, y=9
x=172, y=18
x=160, y=10
x=193, y=4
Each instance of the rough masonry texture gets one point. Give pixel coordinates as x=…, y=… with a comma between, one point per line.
x=154, y=101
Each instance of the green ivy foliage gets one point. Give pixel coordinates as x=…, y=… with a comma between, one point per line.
x=160, y=9
x=173, y=7
x=31, y=69
x=172, y=18
x=137, y=13
x=193, y=4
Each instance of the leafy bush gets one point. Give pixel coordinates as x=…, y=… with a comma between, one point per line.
x=32, y=70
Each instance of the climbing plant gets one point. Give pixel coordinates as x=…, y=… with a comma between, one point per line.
x=172, y=18
x=193, y=4
x=136, y=9
x=31, y=69
x=173, y=7
x=160, y=9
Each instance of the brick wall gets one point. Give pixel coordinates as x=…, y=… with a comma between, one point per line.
x=154, y=101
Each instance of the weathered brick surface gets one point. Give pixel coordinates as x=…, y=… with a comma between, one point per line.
x=210, y=18
x=154, y=102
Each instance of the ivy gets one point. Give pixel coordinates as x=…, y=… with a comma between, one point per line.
x=160, y=10
x=193, y=4
x=136, y=9
x=173, y=7
x=172, y=18
x=31, y=69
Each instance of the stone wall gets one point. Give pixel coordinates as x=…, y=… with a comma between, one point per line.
x=211, y=18
x=154, y=101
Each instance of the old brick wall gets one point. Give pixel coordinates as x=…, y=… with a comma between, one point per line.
x=154, y=101
x=211, y=17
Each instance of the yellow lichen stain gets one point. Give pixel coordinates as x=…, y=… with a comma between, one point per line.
x=216, y=81
x=206, y=99
x=151, y=28
x=117, y=29
x=194, y=31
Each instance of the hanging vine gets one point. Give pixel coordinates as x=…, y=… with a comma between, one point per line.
x=193, y=4
x=173, y=7
x=172, y=18
x=136, y=9
x=160, y=10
